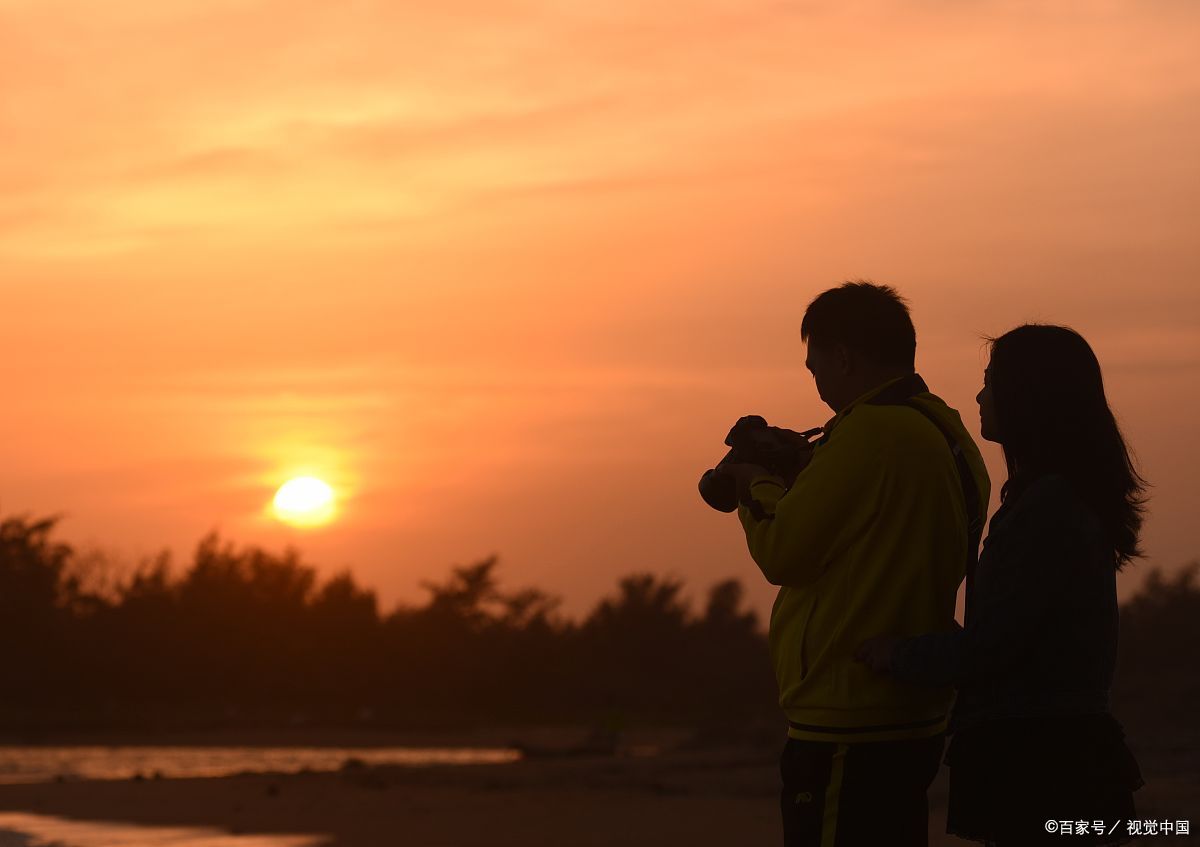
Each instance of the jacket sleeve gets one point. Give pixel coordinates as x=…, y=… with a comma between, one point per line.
x=807, y=525
x=1017, y=594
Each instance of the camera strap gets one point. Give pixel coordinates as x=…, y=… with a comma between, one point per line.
x=902, y=393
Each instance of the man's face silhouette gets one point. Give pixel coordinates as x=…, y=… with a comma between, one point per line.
x=831, y=367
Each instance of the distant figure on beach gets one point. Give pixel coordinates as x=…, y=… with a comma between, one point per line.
x=1032, y=738
x=872, y=536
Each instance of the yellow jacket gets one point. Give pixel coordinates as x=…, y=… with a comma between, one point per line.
x=871, y=539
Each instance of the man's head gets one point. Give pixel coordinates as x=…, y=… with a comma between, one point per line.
x=859, y=335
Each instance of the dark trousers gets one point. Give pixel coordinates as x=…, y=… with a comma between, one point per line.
x=863, y=793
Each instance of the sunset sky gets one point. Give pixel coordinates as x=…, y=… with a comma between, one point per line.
x=504, y=273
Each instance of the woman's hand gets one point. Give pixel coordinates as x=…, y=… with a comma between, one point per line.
x=876, y=653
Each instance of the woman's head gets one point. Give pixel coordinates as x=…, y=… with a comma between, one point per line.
x=1043, y=401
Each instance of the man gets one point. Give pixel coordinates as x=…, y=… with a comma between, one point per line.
x=872, y=537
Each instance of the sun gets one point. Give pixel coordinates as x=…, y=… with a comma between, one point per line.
x=304, y=501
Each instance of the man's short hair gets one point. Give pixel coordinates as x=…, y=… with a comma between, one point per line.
x=870, y=319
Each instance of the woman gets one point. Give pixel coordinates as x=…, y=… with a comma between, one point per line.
x=1033, y=742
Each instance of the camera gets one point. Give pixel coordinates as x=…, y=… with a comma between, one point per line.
x=781, y=451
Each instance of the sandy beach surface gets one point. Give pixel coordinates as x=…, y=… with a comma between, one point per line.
x=712, y=798
x=695, y=797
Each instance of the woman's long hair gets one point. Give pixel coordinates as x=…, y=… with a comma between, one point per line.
x=1053, y=417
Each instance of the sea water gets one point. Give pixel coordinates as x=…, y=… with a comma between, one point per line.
x=19, y=829
x=46, y=764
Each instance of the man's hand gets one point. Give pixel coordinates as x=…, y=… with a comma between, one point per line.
x=876, y=653
x=745, y=473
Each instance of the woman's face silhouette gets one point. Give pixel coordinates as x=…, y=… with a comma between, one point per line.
x=987, y=411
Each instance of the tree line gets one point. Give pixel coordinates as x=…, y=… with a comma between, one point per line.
x=244, y=636
x=247, y=637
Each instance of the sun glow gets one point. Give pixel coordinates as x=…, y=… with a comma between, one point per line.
x=304, y=501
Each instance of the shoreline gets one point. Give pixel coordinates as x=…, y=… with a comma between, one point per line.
x=703, y=797
x=719, y=797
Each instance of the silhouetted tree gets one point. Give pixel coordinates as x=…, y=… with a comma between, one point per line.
x=32, y=617
x=633, y=645
x=466, y=598
x=723, y=612
x=1157, y=681
x=344, y=632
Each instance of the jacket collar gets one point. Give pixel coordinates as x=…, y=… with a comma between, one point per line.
x=885, y=394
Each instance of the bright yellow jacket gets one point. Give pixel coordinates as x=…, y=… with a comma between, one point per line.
x=870, y=540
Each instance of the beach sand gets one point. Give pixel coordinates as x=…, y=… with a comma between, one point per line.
x=690, y=799
x=725, y=796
